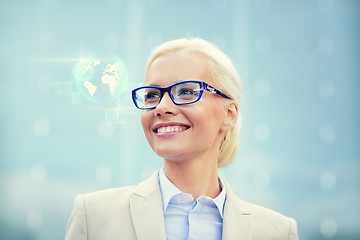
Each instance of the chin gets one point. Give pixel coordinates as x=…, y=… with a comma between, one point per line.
x=166, y=153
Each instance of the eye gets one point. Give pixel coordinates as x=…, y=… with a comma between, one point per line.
x=151, y=96
x=186, y=91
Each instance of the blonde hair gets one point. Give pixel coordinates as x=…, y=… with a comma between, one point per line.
x=225, y=76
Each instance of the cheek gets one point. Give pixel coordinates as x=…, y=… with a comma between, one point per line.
x=212, y=115
x=145, y=120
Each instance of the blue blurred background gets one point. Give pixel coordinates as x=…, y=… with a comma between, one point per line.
x=300, y=141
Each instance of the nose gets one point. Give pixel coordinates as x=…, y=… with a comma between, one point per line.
x=166, y=106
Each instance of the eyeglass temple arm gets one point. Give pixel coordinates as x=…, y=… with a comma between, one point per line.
x=214, y=90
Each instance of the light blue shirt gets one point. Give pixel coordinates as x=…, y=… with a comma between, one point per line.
x=189, y=219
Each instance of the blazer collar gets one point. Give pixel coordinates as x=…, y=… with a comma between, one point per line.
x=238, y=221
x=148, y=217
x=169, y=190
x=147, y=210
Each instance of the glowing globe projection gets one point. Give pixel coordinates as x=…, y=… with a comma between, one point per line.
x=101, y=78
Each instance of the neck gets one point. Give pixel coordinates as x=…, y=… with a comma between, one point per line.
x=197, y=177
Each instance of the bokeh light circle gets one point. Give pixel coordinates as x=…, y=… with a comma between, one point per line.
x=326, y=89
x=34, y=218
x=327, y=134
x=326, y=46
x=325, y=6
x=103, y=174
x=38, y=172
x=106, y=130
x=42, y=127
x=48, y=39
x=262, y=88
x=327, y=180
x=262, y=133
x=262, y=179
x=328, y=227
x=262, y=44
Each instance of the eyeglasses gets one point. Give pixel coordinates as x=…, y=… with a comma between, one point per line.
x=181, y=93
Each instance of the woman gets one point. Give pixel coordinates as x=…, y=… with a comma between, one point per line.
x=190, y=106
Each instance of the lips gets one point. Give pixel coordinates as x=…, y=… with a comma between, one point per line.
x=170, y=128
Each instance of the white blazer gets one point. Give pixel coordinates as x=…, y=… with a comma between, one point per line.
x=136, y=212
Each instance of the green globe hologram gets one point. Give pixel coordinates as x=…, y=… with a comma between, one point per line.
x=101, y=78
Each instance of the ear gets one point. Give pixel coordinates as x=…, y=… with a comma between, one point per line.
x=232, y=115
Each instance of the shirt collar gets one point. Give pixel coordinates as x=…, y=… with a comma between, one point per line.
x=169, y=190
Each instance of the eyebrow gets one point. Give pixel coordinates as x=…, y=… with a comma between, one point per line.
x=156, y=85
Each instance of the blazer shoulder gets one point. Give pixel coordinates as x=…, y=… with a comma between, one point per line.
x=262, y=211
x=106, y=214
x=109, y=193
x=97, y=214
x=119, y=195
x=107, y=200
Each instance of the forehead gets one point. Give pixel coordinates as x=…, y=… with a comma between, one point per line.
x=174, y=67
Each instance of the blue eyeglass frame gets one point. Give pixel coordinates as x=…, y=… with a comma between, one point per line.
x=203, y=86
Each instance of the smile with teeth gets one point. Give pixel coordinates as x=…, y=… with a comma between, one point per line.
x=170, y=129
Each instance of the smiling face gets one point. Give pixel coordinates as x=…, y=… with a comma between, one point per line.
x=184, y=132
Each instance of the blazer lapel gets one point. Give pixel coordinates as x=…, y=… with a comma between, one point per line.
x=238, y=221
x=147, y=210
